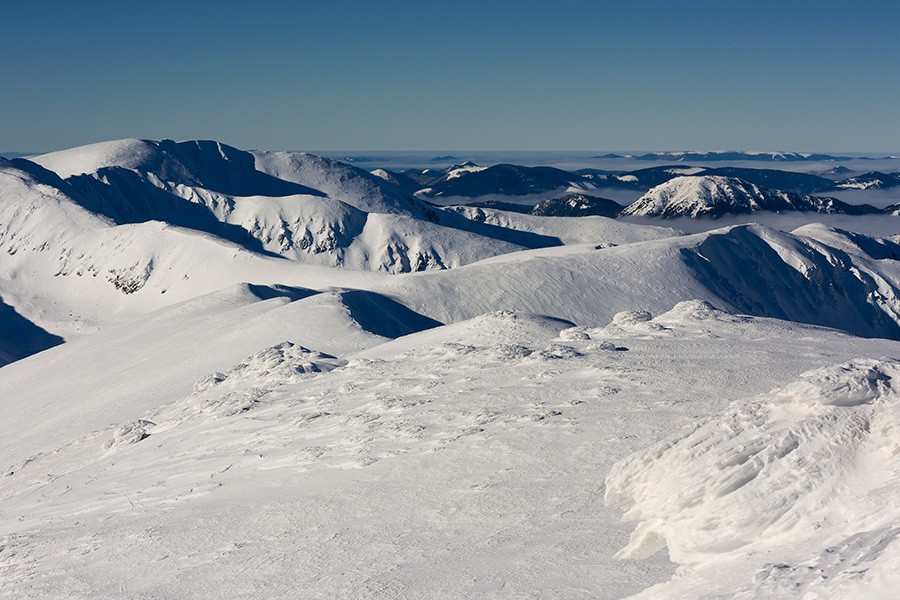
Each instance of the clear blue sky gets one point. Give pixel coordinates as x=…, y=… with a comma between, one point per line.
x=794, y=75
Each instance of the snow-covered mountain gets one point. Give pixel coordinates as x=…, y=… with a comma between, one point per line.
x=504, y=179
x=788, y=181
x=463, y=460
x=477, y=185
x=716, y=195
x=223, y=374
x=303, y=207
x=815, y=275
x=871, y=181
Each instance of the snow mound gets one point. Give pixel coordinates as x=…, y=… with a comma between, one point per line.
x=282, y=363
x=630, y=317
x=790, y=485
x=130, y=433
x=689, y=318
x=240, y=388
x=692, y=312
x=496, y=336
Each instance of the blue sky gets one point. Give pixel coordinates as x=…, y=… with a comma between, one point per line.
x=410, y=75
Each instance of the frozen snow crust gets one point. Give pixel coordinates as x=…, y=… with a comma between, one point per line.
x=797, y=491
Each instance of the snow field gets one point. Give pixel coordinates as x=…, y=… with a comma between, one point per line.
x=463, y=460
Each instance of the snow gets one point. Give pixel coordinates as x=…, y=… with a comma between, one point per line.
x=570, y=230
x=459, y=171
x=784, y=489
x=382, y=174
x=461, y=460
x=307, y=417
x=734, y=268
x=130, y=154
x=685, y=170
x=698, y=195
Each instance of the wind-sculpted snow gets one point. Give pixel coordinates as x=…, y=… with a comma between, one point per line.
x=241, y=387
x=780, y=495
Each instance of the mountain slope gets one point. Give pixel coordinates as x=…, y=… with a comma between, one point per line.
x=296, y=205
x=19, y=337
x=788, y=181
x=816, y=275
x=184, y=342
x=211, y=165
x=503, y=179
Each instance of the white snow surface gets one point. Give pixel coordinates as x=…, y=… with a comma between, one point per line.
x=457, y=172
x=794, y=492
x=467, y=460
x=129, y=153
x=285, y=415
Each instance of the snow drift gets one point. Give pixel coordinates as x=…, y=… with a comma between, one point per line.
x=794, y=493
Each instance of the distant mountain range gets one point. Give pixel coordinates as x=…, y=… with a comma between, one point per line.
x=701, y=191
x=472, y=181
x=731, y=156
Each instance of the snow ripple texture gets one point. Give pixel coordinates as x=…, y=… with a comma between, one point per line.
x=800, y=486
